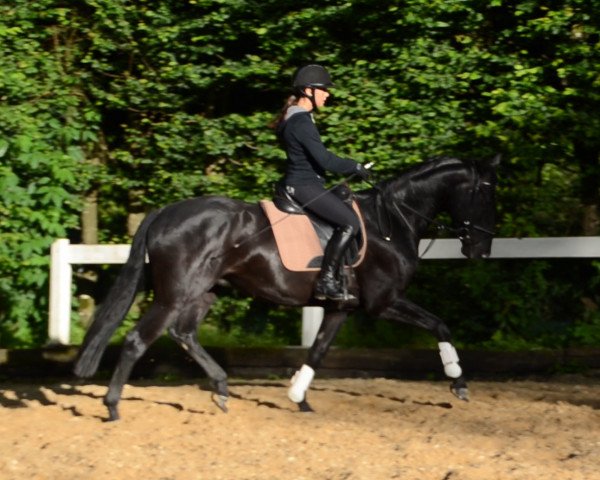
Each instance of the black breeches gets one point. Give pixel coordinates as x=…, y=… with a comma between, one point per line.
x=326, y=205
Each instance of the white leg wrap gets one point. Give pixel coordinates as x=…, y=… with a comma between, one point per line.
x=300, y=383
x=450, y=360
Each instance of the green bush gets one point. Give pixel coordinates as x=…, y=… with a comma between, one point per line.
x=146, y=103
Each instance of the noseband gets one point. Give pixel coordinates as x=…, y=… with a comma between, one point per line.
x=463, y=232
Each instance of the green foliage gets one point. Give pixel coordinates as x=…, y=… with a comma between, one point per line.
x=494, y=304
x=243, y=322
x=360, y=331
x=151, y=102
x=44, y=133
x=586, y=329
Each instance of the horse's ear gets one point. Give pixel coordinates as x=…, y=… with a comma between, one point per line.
x=495, y=162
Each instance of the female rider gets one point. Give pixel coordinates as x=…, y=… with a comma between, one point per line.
x=307, y=162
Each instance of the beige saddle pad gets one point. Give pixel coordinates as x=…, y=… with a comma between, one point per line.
x=297, y=241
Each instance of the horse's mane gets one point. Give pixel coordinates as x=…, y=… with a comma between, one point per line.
x=419, y=172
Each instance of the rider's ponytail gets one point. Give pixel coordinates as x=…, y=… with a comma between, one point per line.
x=291, y=100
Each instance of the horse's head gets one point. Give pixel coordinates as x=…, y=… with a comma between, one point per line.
x=473, y=209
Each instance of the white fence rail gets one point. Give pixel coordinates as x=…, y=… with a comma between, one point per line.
x=64, y=255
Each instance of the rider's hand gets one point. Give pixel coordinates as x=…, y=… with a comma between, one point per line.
x=362, y=172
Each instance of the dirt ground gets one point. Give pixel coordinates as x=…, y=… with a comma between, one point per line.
x=362, y=429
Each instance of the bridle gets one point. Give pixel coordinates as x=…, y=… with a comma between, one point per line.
x=463, y=232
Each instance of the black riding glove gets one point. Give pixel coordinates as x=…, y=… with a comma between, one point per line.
x=362, y=172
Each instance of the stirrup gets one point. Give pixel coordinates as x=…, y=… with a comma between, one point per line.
x=336, y=295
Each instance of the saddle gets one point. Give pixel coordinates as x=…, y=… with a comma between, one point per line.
x=301, y=237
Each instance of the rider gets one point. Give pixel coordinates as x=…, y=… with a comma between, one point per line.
x=307, y=162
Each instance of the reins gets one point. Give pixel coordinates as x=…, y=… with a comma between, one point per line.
x=388, y=237
x=461, y=232
x=467, y=226
x=285, y=217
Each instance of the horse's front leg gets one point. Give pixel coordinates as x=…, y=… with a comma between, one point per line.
x=302, y=378
x=408, y=312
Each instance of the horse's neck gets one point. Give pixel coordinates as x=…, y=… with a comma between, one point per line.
x=426, y=192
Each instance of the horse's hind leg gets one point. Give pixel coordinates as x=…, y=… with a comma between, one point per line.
x=185, y=332
x=149, y=328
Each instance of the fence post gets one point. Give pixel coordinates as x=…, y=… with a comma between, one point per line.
x=311, y=321
x=59, y=309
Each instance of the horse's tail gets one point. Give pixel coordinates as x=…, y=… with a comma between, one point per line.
x=116, y=305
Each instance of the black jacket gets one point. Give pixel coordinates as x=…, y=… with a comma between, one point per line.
x=308, y=159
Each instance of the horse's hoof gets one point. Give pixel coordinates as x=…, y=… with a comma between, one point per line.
x=113, y=414
x=220, y=388
x=221, y=402
x=461, y=393
x=304, y=406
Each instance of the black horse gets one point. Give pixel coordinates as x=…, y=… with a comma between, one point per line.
x=194, y=244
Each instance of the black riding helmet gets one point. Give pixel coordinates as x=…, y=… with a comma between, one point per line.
x=314, y=76
x=311, y=76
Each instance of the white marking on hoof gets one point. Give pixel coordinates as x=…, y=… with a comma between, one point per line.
x=300, y=383
x=450, y=360
x=453, y=370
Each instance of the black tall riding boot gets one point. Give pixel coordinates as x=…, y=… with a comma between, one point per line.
x=328, y=286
